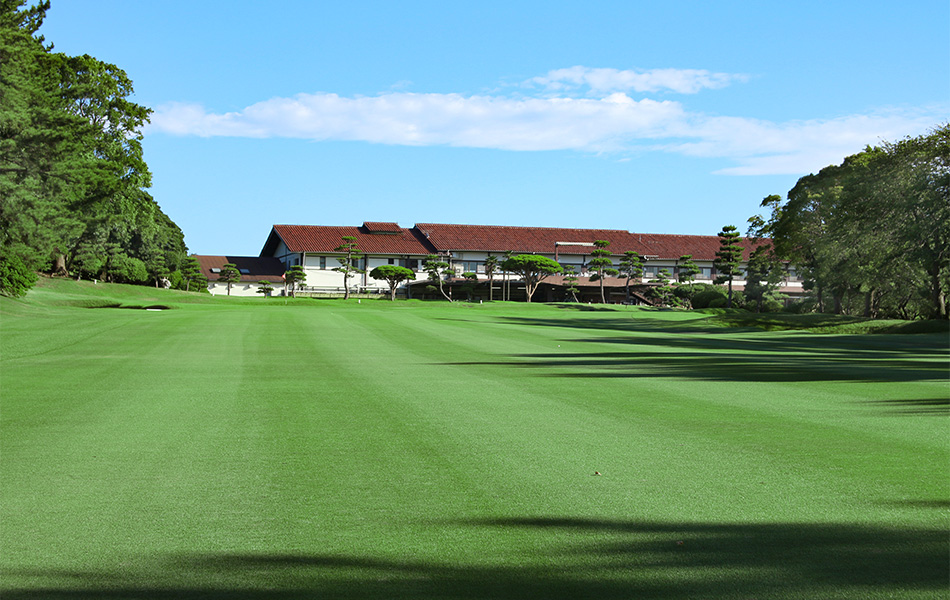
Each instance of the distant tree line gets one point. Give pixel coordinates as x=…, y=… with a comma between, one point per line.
x=72, y=173
x=871, y=236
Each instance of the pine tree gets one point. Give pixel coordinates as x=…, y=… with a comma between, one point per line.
x=230, y=275
x=293, y=276
x=728, y=258
x=631, y=266
x=601, y=265
x=347, y=265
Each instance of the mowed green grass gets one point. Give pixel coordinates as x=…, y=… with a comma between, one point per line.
x=268, y=450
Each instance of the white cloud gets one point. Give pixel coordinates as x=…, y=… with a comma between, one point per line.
x=612, y=123
x=795, y=147
x=681, y=81
x=437, y=119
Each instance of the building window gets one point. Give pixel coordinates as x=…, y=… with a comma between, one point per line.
x=705, y=273
x=323, y=263
x=392, y=261
x=409, y=263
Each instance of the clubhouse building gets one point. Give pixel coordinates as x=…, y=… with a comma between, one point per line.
x=465, y=248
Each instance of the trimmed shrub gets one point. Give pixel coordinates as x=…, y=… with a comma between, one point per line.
x=706, y=298
x=16, y=278
x=126, y=269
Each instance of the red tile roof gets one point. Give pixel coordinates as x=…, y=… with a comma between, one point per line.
x=325, y=239
x=259, y=267
x=542, y=240
x=672, y=246
x=381, y=227
x=499, y=238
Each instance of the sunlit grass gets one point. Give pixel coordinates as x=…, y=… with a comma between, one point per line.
x=263, y=449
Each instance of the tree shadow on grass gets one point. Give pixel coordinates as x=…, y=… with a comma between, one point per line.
x=760, y=366
x=692, y=351
x=574, y=558
x=920, y=406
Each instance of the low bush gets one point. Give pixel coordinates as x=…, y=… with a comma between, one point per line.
x=16, y=278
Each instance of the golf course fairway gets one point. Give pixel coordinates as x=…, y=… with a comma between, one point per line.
x=272, y=449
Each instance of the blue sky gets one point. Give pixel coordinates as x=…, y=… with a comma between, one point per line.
x=665, y=117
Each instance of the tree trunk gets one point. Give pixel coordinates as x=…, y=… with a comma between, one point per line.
x=59, y=265
x=490, y=286
x=442, y=291
x=729, y=298
x=869, y=304
x=602, y=299
x=938, y=298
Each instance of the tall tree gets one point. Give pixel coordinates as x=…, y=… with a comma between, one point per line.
x=662, y=291
x=294, y=276
x=875, y=227
x=491, y=265
x=436, y=268
x=570, y=281
x=72, y=176
x=763, y=275
x=728, y=258
x=913, y=188
x=471, y=280
x=230, y=275
x=532, y=268
x=631, y=267
x=347, y=265
x=393, y=275
x=687, y=270
x=190, y=269
x=601, y=264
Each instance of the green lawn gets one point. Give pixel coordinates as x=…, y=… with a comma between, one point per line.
x=267, y=449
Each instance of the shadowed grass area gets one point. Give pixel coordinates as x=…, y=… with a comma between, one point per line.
x=594, y=559
x=257, y=449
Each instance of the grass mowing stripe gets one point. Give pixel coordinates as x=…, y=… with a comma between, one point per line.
x=375, y=450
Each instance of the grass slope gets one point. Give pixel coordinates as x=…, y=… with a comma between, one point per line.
x=257, y=449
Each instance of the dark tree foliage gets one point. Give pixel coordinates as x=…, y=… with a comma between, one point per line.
x=264, y=287
x=763, y=276
x=437, y=270
x=230, y=275
x=72, y=174
x=293, y=277
x=190, y=270
x=631, y=267
x=872, y=235
x=491, y=265
x=662, y=290
x=532, y=268
x=16, y=278
x=602, y=265
x=728, y=258
x=471, y=280
x=393, y=275
x=570, y=281
x=347, y=263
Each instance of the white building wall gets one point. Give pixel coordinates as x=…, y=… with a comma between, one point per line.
x=242, y=289
x=319, y=272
